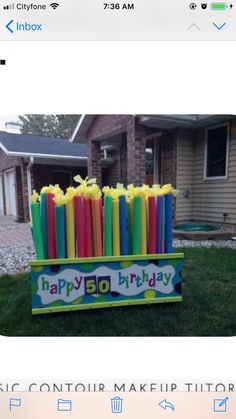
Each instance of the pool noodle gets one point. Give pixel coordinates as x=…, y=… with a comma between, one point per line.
x=123, y=226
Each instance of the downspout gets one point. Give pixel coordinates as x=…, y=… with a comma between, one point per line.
x=29, y=186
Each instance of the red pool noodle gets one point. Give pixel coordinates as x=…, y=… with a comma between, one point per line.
x=88, y=228
x=101, y=210
x=51, y=226
x=79, y=225
x=152, y=225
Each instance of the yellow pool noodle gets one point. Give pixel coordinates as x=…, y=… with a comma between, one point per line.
x=70, y=228
x=144, y=226
x=116, y=227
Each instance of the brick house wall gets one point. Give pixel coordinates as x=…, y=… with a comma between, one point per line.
x=25, y=191
x=106, y=125
x=8, y=162
x=136, y=156
x=168, y=157
x=20, y=204
x=94, y=161
x=129, y=166
x=130, y=159
x=168, y=161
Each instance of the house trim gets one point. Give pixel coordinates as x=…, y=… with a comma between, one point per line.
x=52, y=156
x=216, y=178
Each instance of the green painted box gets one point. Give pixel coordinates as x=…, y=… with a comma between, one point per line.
x=79, y=284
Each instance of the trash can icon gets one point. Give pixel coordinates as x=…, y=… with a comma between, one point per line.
x=116, y=405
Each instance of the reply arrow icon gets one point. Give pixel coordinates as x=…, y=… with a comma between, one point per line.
x=165, y=404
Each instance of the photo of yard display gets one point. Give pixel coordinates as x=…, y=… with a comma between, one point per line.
x=107, y=250
x=125, y=211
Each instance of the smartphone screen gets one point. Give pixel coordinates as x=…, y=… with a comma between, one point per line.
x=117, y=208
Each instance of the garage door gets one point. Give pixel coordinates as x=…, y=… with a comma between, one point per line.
x=10, y=192
x=1, y=196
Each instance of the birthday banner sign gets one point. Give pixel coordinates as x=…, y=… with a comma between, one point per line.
x=65, y=285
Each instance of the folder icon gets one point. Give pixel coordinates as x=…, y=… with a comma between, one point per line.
x=64, y=405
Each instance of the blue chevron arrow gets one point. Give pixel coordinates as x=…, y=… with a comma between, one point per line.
x=9, y=24
x=219, y=27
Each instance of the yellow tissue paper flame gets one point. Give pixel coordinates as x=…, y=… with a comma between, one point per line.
x=51, y=189
x=94, y=192
x=34, y=197
x=87, y=187
x=60, y=198
x=70, y=193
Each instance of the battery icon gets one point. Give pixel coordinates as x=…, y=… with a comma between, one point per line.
x=219, y=6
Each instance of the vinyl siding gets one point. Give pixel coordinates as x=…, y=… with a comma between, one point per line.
x=184, y=174
x=209, y=199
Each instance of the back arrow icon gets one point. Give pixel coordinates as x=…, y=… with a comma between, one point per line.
x=8, y=26
x=164, y=404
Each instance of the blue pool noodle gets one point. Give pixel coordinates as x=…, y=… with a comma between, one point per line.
x=159, y=223
x=168, y=223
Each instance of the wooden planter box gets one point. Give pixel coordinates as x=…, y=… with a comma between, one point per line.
x=81, y=284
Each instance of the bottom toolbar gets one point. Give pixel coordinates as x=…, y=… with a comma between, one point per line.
x=126, y=404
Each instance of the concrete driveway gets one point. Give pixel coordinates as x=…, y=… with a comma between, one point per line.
x=6, y=220
x=16, y=246
x=14, y=233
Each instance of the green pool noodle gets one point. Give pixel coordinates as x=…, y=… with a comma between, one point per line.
x=37, y=231
x=60, y=231
x=43, y=217
x=137, y=226
x=108, y=225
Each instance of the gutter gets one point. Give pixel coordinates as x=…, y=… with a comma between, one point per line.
x=29, y=186
x=45, y=156
x=40, y=155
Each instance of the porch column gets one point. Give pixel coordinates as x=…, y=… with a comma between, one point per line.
x=25, y=197
x=169, y=162
x=169, y=157
x=136, y=156
x=94, y=161
x=19, y=195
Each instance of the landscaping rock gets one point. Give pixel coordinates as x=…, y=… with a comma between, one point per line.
x=15, y=258
x=231, y=244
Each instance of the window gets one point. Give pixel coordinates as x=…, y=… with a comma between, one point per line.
x=216, y=152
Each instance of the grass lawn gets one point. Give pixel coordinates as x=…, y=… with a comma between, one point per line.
x=208, y=309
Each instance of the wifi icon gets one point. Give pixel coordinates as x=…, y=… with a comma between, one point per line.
x=54, y=5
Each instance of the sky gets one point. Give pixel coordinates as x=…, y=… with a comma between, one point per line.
x=7, y=118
